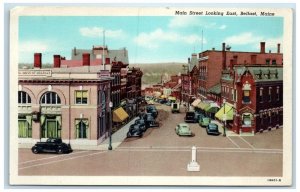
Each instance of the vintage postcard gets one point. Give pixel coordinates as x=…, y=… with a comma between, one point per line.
x=150, y=96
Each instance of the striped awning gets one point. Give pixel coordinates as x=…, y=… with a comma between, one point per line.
x=212, y=108
x=196, y=102
x=226, y=112
x=119, y=115
x=202, y=105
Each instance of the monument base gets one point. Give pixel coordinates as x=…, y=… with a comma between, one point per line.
x=193, y=166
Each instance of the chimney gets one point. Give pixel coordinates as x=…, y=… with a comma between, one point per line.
x=213, y=49
x=37, y=60
x=262, y=47
x=231, y=64
x=235, y=58
x=253, y=59
x=75, y=52
x=278, y=48
x=107, y=60
x=189, y=60
x=223, y=56
x=85, y=59
x=56, y=62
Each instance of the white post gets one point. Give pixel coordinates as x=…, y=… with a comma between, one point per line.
x=193, y=165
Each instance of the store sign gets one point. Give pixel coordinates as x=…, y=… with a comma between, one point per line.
x=104, y=73
x=35, y=73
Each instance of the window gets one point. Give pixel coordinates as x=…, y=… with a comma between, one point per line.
x=247, y=119
x=261, y=98
x=25, y=126
x=23, y=97
x=51, y=126
x=277, y=93
x=267, y=61
x=50, y=98
x=270, y=94
x=81, y=97
x=81, y=128
x=246, y=96
x=273, y=62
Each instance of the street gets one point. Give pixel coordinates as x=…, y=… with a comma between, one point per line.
x=160, y=152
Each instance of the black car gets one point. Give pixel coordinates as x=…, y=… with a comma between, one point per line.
x=199, y=116
x=212, y=129
x=152, y=109
x=190, y=117
x=135, y=131
x=51, y=145
x=150, y=120
x=142, y=124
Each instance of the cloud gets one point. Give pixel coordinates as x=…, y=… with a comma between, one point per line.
x=253, y=40
x=32, y=46
x=243, y=39
x=223, y=27
x=183, y=22
x=155, y=38
x=98, y=32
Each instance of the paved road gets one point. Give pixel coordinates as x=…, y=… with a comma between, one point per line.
x=160, y=152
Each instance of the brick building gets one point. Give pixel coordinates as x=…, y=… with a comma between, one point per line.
x=66, y=103
x=212, y=62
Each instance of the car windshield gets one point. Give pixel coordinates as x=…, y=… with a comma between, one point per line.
x=205, y=119
x=190, y=114
x=184, y=127
x=175, y=105
x=213, y=127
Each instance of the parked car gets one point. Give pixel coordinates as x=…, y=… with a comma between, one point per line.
x=142, y=124
x=135, y=131
x=204, y=121
x=212, y=129
x=168, y=103
x=183, y=129
x=152, y=109
x=175, y=107
x=150, y=121
x=198, y=115
x=54, y=145
x=190, y=117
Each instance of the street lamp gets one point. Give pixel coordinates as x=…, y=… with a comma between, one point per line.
x=224, y=118
x=110, y=125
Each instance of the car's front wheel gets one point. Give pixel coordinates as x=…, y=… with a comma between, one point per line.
x=35, y=150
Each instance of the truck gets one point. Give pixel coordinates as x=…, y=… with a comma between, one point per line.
x=175, y=108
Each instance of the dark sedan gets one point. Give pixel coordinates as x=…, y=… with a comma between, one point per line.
x=212, y=129
x=190, y=117
x=54, y=145
x=135, y=131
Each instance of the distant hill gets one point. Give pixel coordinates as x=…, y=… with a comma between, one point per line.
x=155, y=72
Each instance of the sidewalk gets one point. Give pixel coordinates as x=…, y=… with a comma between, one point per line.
x=117, y=138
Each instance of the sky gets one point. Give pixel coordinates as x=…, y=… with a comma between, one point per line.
x=148, y=39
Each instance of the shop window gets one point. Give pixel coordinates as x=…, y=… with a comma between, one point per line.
x=81, y=97
x=270, y=94
x=82, y=126
x=51, y=126
x=25, y=126
x=261, y=97
x=277, y=93
x=50, y=98
x=23, y=97
x=247, y=119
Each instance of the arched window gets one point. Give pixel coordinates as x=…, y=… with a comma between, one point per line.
x=50, y=98
x=23, y=97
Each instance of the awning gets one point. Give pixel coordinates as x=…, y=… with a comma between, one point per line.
x=212, y=108
x=228, y=109
x=196, y=102
x=202, y=105
x=172, y=98
x=119, y=115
